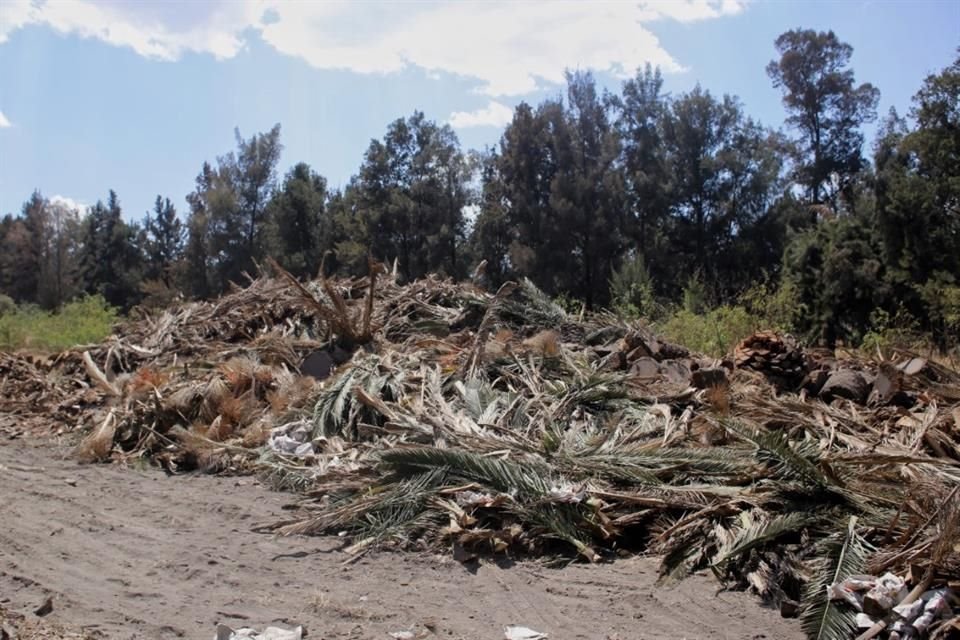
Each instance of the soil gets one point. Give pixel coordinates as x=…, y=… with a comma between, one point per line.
x=135, y=553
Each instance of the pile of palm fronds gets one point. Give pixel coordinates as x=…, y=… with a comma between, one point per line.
x=495, y=422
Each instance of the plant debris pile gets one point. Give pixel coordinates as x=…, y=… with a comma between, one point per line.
x=436, y=414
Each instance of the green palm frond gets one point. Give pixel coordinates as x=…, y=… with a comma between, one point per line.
x=561, y=521
x=336, y=408
x=330, y=410
x=529, y=480
x=759, y=530
x=790, y=463
x=382, y=509
x=400, y=508
x=684, y=554
x=659, y=464
x=845, y=555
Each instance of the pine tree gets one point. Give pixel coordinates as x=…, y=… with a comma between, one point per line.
x=826, y=108
x=163, y=242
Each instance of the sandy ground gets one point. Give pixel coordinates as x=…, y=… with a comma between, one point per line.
x=129, y=553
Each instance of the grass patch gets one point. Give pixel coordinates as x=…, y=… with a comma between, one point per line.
x=84, y=321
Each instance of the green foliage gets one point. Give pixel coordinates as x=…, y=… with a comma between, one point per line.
x=842, y=556
x=568, y=303
x=631, y=290
x=227, y=230
x=163, y=237
x=714, y=332
x=407, y=202
x=7, y=305
x=941, y=295
x=299, y=222
x=775, y=307
x=85, y=320
x=695, y=295
x=825, y=107
x=888, y=330
x=837, y=273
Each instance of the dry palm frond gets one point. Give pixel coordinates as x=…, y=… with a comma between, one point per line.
x=375, y=514
x=660, y=464
x=531, y=307
x=96, y=447
x=688, y=550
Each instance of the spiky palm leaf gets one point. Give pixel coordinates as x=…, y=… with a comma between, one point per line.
x=845, y=555
x=336, y=407
x=383, y=509
x=789, y=462
x=529, y=480
x=685, y=553
x=531, y=307
x=760, y=530
x=645, y=463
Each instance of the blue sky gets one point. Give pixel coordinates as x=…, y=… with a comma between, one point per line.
x=134, y=96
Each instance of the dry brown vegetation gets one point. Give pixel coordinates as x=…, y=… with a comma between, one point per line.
x=498, y=423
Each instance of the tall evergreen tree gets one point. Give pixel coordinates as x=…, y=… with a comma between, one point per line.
x=163, y=242
x=825, y=107
x=110, y=262
x=197, y=279
x=647, y=182
x=587, y=196
x=301, y=227
x=24, y=250
x=918, y=202
x=409, y=197
x=58, y=271
x=226, y=229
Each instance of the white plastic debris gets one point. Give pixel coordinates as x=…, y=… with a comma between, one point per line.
x=270, y=633
x=523, y=633
x=909, y=611
x=850, y=590
x=292, y=439
x=864, y=621
x=888, y=591
x=899, y=631
x=402, y=635
x=936, y=605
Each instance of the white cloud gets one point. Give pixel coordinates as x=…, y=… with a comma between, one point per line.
x=508, y=47
x=15, y=14
x=151, y=28
x=495, y=114
x=4, y=123
x=68, y=203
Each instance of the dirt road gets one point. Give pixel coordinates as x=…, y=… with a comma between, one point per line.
x=131, y=553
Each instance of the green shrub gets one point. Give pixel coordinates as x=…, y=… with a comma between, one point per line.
x=7, y=305
x=85, y=320
x=714, y=333
x=568, y=303
x=777, y=307
x=631, y=290
x=941, y=296
x=695, y=295
x=888, y=331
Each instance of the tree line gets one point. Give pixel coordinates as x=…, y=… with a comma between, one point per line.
x=636, y=200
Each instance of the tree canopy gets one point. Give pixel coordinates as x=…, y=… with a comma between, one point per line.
x=633, y=199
